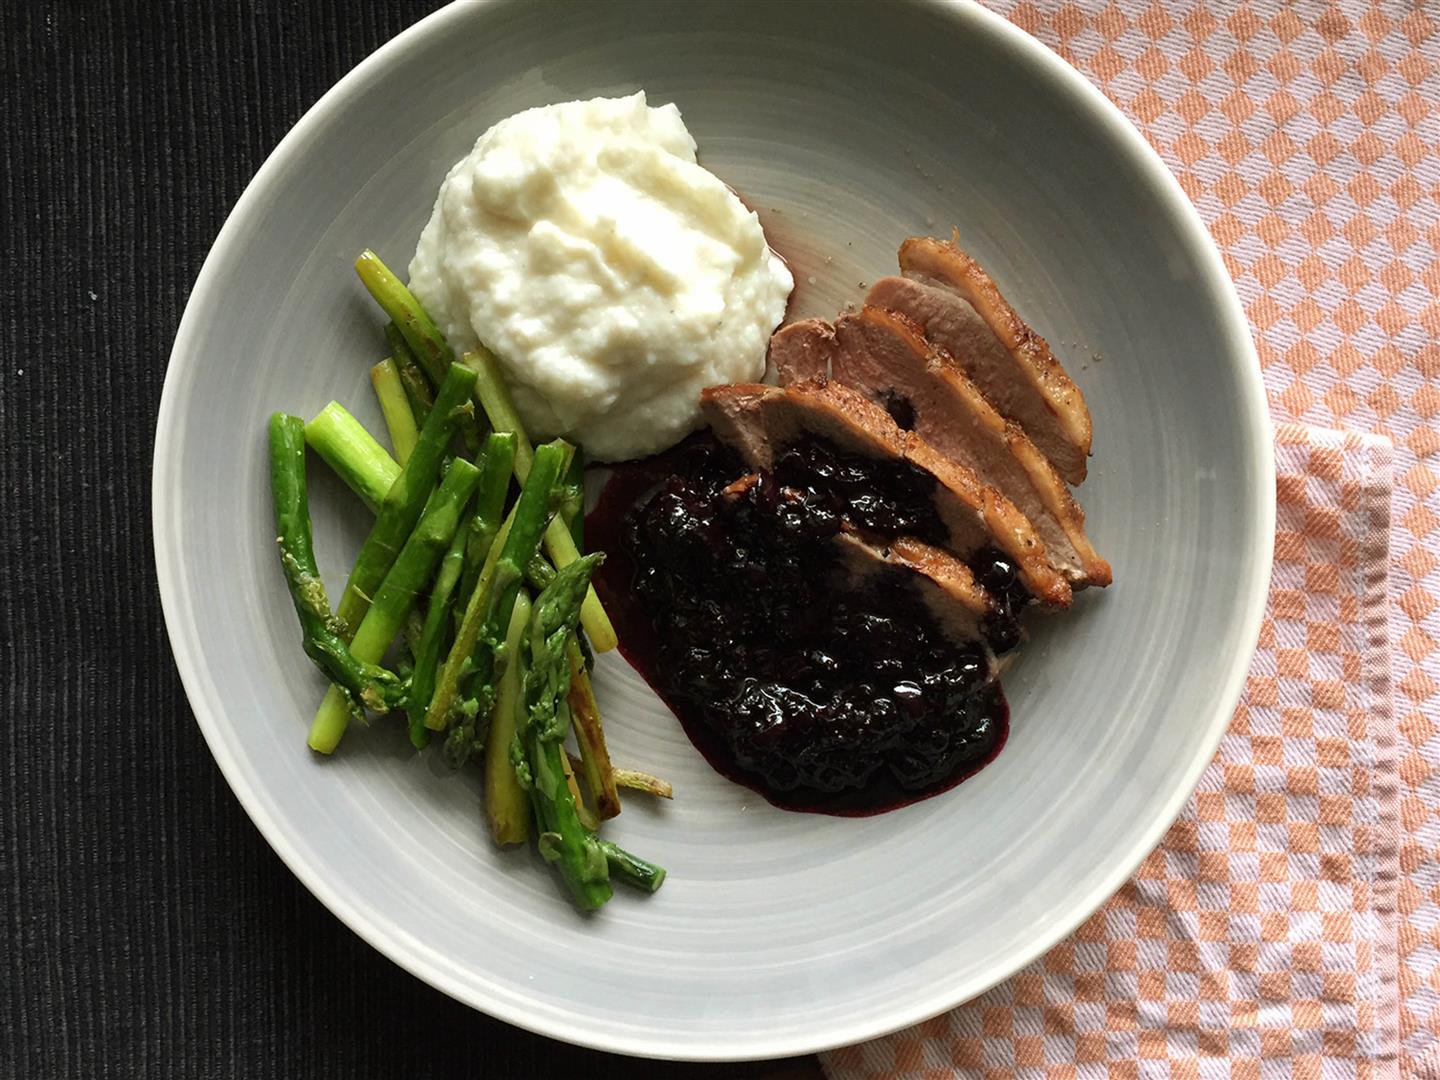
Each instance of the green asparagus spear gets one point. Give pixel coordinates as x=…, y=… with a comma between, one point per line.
x=494, y=397
x=416, y=382
x=479, y=685
x=359, y=683
x=487, y=614
x=417, y=392
x=574, y=509
x=396, y=596
x=419, y=330
x=353, y=453
x=489, y=506
x=583, y=812
x=399, y=418
x=432, y=635
x=631, y=869
x=594, y=759
x=539, y=573
x=538, y=749
x=559, y=543
x=506, y=804
x=406, y=497
x=426, y=343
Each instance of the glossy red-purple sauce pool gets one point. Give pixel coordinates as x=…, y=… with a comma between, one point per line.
x=627, y=486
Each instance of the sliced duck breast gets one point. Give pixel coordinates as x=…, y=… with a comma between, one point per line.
x=961, y=607
x=887, y=358
x=761, y=422
x=961, y=310
x=802, y=350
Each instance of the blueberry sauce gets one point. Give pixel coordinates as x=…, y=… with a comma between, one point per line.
x=729, y=599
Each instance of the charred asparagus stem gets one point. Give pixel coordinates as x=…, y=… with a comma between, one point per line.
x=594, y=761
x=405, y=500
x=506, y=804
x=487, y=614
x=538, y=748
x=399, y=418
x=358, y=683
x=495, y=399
x=595, y=765
x=396, y=596
x=634, y=780
x=353, y=453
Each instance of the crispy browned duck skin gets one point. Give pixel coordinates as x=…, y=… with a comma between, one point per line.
x=757, y=420
x=961, y=310
x=886, y=357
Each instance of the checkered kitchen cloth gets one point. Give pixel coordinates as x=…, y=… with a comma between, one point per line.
x=1259, y=939
x=1307, y=133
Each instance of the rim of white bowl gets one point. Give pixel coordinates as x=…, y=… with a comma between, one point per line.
x=174, y=597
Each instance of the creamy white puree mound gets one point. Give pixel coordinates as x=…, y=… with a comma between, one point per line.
x=612, y=275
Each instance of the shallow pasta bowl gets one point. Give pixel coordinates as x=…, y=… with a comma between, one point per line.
x=848, y=127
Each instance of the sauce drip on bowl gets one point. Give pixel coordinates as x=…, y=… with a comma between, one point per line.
x=821, y=698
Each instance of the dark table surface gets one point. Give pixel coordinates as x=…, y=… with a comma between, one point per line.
x=148, y=929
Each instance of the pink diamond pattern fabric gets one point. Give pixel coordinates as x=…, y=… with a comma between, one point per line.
x=1308, y=136
x=1260, y=938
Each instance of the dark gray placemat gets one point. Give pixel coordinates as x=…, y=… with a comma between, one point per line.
x=147, y=929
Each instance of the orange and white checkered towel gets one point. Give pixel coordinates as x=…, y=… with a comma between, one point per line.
x=1259, y=940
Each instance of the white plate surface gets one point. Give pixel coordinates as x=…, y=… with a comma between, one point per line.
x=848, y=127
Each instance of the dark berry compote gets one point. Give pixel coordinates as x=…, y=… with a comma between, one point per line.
x=819, y=692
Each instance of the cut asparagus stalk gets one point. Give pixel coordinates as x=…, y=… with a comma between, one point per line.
x=405, y=500
x=494, y=397
x=631, y=869
x=634, y=780
x=582, y=811
x=427, y=343
x=399, y=418
x=489, y=506
x=396, y=596
x=487, y=614
x=417, y=392
x=416, y=382
x=539, y=743
x=479, y=684
x=559, y=543
x=506, y=804
x=432, y=635
x=344, y=444
x=595, y=764
x=358, y=683
x=574, y=512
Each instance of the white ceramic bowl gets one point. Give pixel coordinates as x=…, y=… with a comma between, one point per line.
x=848, y=127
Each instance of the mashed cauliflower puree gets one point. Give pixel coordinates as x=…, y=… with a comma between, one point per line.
x=612, y=275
